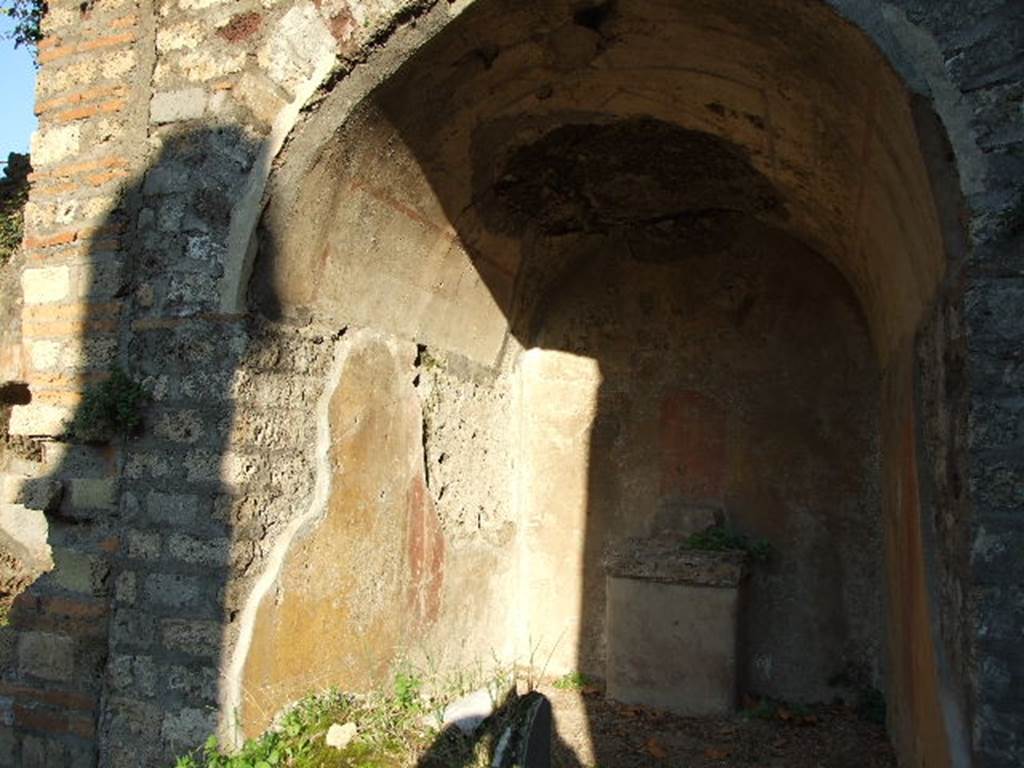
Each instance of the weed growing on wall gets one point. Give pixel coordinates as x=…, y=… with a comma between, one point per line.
x=109, y=409
x=296, y=742
x=408, y=686
x=572, y=681
x=718, y=538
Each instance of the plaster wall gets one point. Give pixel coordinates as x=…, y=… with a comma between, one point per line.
x=404, y=553
x=739, y=385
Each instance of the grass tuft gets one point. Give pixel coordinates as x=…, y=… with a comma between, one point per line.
x=395, y=730
x=572, y=681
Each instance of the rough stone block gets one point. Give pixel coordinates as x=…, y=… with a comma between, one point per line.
x=131, y=719
x=39, y=493
x=96, y=353
x=44, y=354
x=8, y=648
x=24, y=533
x=102, y=281
x=209, y=552
x=7, y=745
x=39, y=419
x=187, y=727
x=143, y=545
x=142, y=463
x=172, y=509
x=197, y=682
x=92, y=493
x=993, y=308
x=44, y=285
x=203, y=64
x=55, y=144
x=78, y=572
x=166, y=179
x=132, y=629
x=997, y=486
x=80, y=756
x=672, y=646
x=45, y=655
x=171, y=589
x=171, y=106
x=33, y=752
x=180, y=426
x=292, y=50
x=199, y=4
x=125, y=588
x=175, y=37
x=260, y=95
x=198, y=638
x=134, y=673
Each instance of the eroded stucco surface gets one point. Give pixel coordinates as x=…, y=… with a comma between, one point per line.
x=366, y=573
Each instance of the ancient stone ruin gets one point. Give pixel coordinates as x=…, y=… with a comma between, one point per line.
x=348, y=331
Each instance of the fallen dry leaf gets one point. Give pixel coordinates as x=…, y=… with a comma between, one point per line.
x=655, y=750
x=717, y=753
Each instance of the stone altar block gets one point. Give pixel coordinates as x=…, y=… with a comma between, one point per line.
x=671, y=626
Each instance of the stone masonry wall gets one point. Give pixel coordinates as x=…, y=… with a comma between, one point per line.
x=159, y=122
x=977, y=48
x=91, y=97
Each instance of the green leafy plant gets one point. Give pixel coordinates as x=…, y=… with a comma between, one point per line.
x=408, y=686
x=110, y=408
x=297, y=742
x=572, y=681
x=28, y=17
x=718, y=538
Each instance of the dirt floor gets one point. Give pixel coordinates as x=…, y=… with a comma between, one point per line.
x=593, y=731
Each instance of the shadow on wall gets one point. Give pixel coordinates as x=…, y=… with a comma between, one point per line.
x=115, y=652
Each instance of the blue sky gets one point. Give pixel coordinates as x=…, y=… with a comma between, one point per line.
x=17, y=86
